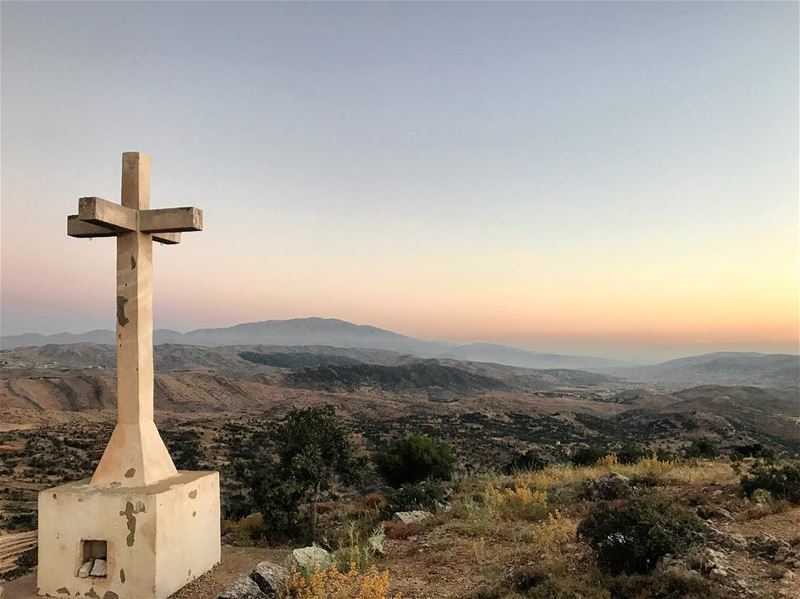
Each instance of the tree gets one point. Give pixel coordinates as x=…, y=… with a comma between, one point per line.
x=313, y=451
x=413, y=459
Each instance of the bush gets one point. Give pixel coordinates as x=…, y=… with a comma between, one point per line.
x=549, y=580
x=782, y=482
x=587, y=456
x=633, y=536
x=630, y=453
x=530, y=460
x=702, y=448
x=413, y=459
x=753, y=450
x=671, y=584
x=425, y=495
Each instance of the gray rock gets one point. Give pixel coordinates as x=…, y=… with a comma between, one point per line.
x=100, y=569
x=413, y=517
x=269, y=577
x=718, y=574
x=242, y=588
x=727, y=540
x=85, y=569
x=708, y=512
x=767, y=545
x=312, y=558
x=610, y=486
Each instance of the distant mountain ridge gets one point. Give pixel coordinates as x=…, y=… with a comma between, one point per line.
x=720, y=368
x=329, y=332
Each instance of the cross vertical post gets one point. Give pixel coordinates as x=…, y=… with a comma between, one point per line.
x=136, y=454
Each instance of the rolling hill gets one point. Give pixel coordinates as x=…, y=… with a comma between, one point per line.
x=720, y=368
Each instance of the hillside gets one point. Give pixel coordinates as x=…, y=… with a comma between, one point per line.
x=720, y=368
x=514, y=356
x=424, y=376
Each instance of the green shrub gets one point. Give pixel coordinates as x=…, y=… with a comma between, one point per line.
x=782, y=482
x=753, y=450
x=671, y=584
x=550, y=580
x=633, y=536
x=413, y=459
x=423, y=495
x=630, y=453
x=702, y=448
x=588, y=456
x=530, y=460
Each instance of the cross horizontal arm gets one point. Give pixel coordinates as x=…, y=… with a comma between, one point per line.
x=107, y=214
x=82, y=229
x=165, y=220
x=79, y=228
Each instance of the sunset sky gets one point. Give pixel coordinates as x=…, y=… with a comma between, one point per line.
x=609, y=178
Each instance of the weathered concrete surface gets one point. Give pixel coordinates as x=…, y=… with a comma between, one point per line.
x=159, y=537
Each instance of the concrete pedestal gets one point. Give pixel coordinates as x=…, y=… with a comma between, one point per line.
x=156, y=538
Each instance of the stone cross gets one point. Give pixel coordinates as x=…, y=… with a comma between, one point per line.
x=136, y=454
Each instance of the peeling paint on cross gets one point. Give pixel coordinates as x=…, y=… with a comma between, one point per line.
x=136, y=454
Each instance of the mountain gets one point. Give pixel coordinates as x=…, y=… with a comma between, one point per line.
x=720, y=368
x=514, y=356
x=296, y=331
x=35, y=339
x=329, y=332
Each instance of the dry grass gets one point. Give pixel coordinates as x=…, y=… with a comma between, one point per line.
x=332, y=584
x=663, y=472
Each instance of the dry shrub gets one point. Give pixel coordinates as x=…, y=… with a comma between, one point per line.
x=325, y=507
x=373, y=501
x=518, y=503
x=246, y=531
x=401, y=530
x=332, y=584
x=551, y=536
x=607, y=461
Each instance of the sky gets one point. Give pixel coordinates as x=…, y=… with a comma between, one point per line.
x=615, y=179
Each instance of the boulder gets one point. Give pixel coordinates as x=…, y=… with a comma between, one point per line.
x=413, y=517
x=711, y=512
x=242, y=588
x=727, y=540
x=85, y=569
x=718, y=574
x=313, y=558
x=99, y=569
x=610, y=486
x=269, y=577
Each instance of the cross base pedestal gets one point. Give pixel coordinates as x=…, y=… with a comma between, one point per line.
x=154, y=538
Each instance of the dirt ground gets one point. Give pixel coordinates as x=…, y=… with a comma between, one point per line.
x=235, y=561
